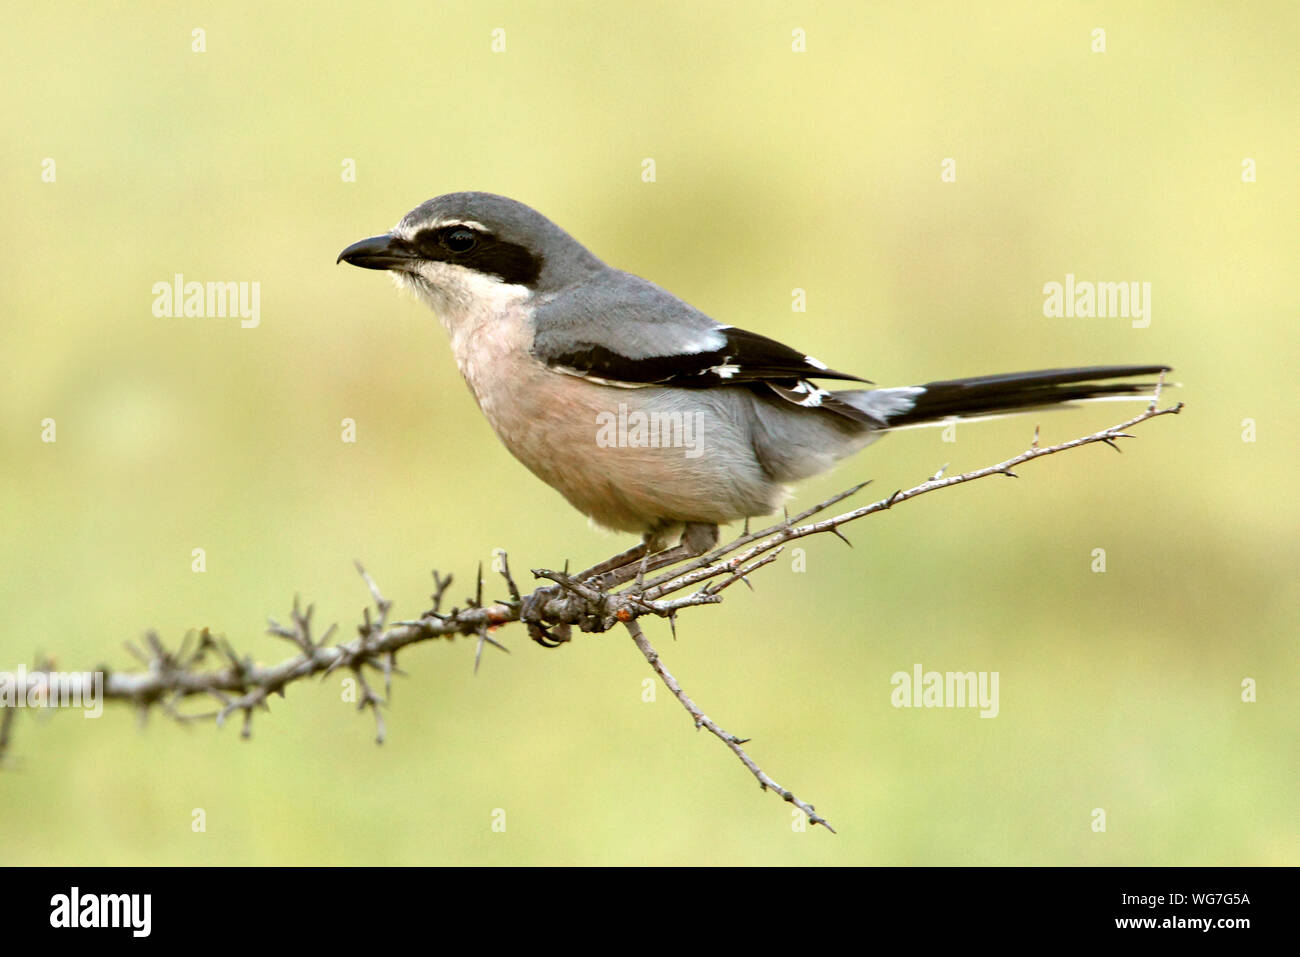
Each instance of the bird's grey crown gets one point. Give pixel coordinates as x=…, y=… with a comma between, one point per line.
x=562, y=260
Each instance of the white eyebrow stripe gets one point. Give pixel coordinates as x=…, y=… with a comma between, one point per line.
x=405, y=230
x=471, y=224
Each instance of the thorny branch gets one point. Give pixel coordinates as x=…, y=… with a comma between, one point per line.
x=207, y=666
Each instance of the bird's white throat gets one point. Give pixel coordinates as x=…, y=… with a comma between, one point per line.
x=465, y=300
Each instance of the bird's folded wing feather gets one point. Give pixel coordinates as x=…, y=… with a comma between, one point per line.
x=635, y=334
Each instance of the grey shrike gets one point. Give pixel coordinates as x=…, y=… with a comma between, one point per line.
x=583, y=370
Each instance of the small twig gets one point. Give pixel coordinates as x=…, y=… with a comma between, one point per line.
x=726, y=737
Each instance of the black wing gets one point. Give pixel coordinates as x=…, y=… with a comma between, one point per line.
x=632, y=334
x=738, y=357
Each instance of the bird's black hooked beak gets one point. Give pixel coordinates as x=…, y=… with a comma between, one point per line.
x=379, y=252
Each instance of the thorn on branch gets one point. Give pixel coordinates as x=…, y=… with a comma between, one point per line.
x=515, y=597
x=485, y=638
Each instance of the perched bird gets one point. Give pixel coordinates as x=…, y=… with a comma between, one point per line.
x=643, y=412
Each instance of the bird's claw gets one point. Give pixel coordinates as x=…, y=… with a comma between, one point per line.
x=531, y=609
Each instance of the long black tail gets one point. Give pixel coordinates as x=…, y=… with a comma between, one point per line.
x=1016, y=391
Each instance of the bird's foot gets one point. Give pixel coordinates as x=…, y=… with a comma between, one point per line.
x=532, y=609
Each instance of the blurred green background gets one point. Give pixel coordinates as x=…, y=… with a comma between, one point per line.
x=774, y=170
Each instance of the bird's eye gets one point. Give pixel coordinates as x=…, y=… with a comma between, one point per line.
x=460, y=240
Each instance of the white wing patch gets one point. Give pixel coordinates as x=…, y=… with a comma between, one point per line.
x=805, y=394
x=710, y=340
